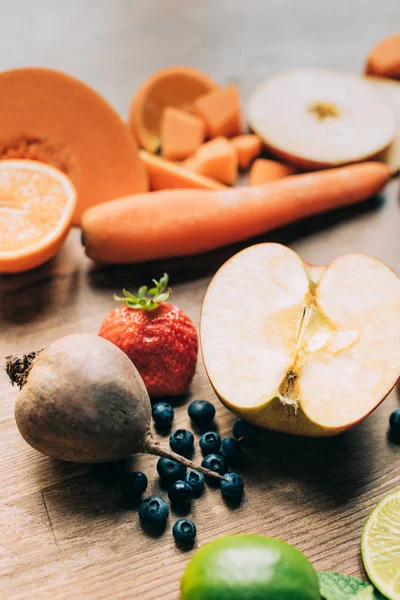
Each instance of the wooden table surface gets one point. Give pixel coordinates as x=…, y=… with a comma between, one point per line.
x=63, y=533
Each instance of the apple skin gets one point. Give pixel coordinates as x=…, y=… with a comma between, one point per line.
x=275, y=416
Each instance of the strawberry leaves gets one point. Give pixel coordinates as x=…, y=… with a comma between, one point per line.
x=147, y=299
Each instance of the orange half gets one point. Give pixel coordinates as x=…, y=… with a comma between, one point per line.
x=37, y=203
x=176, y=86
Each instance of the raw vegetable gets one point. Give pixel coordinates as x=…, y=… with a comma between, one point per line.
x=248, y=147
x=217, y=159
x=334, y=586
x=51, y=117
x=37, y=203
x=181, y=133
x=83, y=400
x=221, y=112
x=176, y=86
x=164, y=174
x=177, y=223
x=384, y=58
x=264, y=170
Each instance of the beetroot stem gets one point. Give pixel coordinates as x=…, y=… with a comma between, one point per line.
x=18, y=367
x=153, y=447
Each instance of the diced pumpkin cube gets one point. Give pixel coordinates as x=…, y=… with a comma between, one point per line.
x=181, y=133
x=264, y=171
x=248, y=147
x=220, y=111
x=217, y=159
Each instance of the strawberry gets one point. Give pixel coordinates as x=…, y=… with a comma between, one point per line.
x=159, y=338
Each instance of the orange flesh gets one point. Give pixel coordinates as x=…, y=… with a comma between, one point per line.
x=36, y=207
x=384, y=59
x=164, y=175
x=181, y=133
x=217, y=159
x=264, y=171
x=51, y=117
x=176, y=86
x=221, y=112
x=248, y=147
x=184, y=222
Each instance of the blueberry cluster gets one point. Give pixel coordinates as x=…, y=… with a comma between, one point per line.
x=183, y=485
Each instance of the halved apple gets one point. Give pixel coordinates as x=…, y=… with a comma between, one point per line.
x=316, y=118
x=389, y=89
x=299, y=349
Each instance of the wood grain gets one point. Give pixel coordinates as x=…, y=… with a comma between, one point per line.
x=63, y=532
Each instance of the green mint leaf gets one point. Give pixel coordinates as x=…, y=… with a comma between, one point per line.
x=162, y=297
x=142, y=291
x=159, y=293
x=334, y=586
x=153, y=291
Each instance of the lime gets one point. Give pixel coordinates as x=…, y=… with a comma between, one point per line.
x=249, y=567
x=380, y=546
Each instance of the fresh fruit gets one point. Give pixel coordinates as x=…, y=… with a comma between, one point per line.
x=56, y=119
x=231, y=450
x=384, y=58
x=249, y=566
x=380, y=546
x=210, y=442
x=170, y=470
x=181, y=133
x=181, y=441
x=389, y=89
x=165, y=175
x=180, y=493
x=328, y=332
x=394, y=424
x=248, y=147
x=153, y=510
x=196, y=480
x=263, y=171
x=184, y=531
x=221, y=112
x=232, y=487
x=217, y=159
x=133, y=484
x=159, y=338
x=215, y=462
x=163, y=414
x=334, y=586
x=244, y=432
x=176, y=86
x=111, y=423
x=37, y=203
x=140, y=228
x=201, y=412
x=316, y=118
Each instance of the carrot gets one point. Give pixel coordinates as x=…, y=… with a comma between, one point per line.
x=216, y=158
x=264, y=171
x=165, y=175
x=248, y=147
x=183, y=222
x=220, y=111
x=181, y=133
x=384, y=58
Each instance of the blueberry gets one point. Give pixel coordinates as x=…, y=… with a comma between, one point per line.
x=133, y=484
x=196, y=481
x=394, y=423
x=232, y=487
x=210, y=441
x=244, y=432
x=153, y=510
x=163, y=414
x=201, y=412
x=215, y=462
x=180, y=493
x=184, y=531
x=170, y=470
x=181, y=441
x=231, y=450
